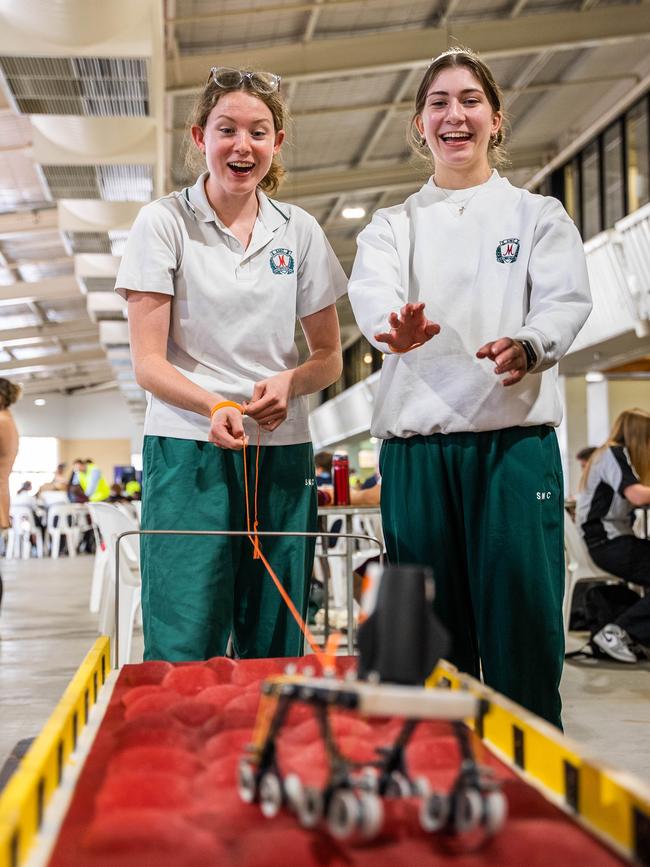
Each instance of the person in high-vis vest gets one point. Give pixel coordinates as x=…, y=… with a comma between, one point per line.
x=92, y=482
x=468, y=399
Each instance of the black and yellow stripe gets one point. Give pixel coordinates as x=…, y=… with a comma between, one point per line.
x=23, y=801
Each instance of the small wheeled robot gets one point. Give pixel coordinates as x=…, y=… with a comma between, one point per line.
x=397, y=653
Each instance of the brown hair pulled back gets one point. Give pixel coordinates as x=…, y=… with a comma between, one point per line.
x=9, y=393
x=632, y=430
x=206, y=101
x=455, y=57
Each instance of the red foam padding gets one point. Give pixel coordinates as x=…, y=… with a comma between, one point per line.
x=222, y=667
x=159, y=788
x=169, y=760
x=142, y=837
x=190, y=679
x=132, y=695
x=194, y=712
x=149, y=672
x=228, y=741
x=133, y=789
x=151, y=703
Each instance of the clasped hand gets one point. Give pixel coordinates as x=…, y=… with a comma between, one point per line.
x=268, y=406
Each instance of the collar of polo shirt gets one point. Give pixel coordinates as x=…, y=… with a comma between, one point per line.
x=269, y=213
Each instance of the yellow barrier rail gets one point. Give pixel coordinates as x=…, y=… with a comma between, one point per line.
x=612, y=804
x=24, y=798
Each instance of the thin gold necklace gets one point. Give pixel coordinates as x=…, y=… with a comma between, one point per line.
x=461, y=206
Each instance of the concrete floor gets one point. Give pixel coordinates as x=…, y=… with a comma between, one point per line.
x=46, y=630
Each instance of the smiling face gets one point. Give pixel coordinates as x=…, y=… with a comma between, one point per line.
x=239, y=142
x=457, y=122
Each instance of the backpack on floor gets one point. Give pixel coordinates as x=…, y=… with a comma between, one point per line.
x=603, y=604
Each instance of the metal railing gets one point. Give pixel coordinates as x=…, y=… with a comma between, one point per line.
x=261, y=533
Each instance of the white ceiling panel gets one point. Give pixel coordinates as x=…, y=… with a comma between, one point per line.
x=364, y=17
x=87, y=86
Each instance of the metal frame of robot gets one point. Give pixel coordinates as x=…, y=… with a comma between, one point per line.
x=350, y=805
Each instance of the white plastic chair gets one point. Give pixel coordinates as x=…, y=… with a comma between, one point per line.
x=579, y=566
x=112, y=522
x=19, y=538
x=62, y=520
x=53, y=498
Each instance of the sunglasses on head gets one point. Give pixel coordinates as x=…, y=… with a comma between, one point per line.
x=262, y=82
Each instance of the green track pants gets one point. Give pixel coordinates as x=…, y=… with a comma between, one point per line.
x=196, y=591
x=485, y=511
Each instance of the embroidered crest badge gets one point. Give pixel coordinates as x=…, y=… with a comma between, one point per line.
x=508, y=250
x=282, y=261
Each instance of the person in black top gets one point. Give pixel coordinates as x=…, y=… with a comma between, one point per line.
x=615, y=482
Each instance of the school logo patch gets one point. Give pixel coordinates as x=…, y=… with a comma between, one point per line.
x=508, y=250
x=282, y=261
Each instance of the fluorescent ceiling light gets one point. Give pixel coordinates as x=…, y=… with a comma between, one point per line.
x=353, y=213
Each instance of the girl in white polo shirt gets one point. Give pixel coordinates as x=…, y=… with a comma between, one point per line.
x=215, y=277
x=474, y=289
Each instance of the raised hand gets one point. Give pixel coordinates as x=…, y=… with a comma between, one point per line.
x=409, y=329
x=508, y=356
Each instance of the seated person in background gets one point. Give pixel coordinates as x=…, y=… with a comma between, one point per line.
x=118, y=495
x=59, y=482
x=24, y=496
x=76, y=494
x=615, y=482
x=133, y=490
x=583, y=456
x=88, y=475
x=323, y=461
x=358, y=496
x=371, y=481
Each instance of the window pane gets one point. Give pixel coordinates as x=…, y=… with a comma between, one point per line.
x=613, y=152
x=638, y=155
x=572, y=191
x=591, y=191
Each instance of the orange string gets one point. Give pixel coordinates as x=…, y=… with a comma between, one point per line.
x=258, y=555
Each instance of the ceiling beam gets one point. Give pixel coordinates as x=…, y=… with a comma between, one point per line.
x=62, y=383
x=44, y=219
x=329, y=58
x=43, y=363
x=74, y=330
x=50, y=289
x=380, y=179
x=407, y=104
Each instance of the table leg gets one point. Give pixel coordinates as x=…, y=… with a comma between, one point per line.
x=350, y=583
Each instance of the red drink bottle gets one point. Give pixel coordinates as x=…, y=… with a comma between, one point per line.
x=341, y=479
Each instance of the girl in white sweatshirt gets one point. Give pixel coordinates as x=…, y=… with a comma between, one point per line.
x=474, y=289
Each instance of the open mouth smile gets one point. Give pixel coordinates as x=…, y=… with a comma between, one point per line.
x=456, y=137
x=241, y=167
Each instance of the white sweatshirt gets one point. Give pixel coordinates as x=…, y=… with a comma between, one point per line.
x=511, y=265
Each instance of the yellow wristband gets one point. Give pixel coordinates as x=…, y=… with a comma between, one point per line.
x=224, y=403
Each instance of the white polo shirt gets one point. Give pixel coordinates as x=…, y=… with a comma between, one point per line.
x=234, y=310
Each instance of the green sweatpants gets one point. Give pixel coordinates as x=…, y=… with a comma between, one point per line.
x=485, y=511
x=197, y=590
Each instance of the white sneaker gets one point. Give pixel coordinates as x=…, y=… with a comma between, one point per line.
x=615, y=642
